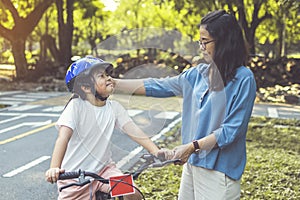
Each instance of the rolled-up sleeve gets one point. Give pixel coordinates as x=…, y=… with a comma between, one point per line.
x=238, y=113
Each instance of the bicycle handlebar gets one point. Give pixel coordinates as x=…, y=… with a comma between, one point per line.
x=151, y=162
x=75, y=184
x=82, y=180
x=69, y=175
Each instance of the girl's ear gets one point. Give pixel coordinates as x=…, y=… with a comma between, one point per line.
x=86, y=89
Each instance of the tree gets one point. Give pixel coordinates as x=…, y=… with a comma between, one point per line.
x=56, y=34
x=91, y=25
x=250, y=14
x=249, y=26
x=65, y=30
x=21, y=28
x=161, y=28
x=286, y=19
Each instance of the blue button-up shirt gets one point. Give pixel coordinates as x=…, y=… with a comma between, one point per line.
x=225, y=113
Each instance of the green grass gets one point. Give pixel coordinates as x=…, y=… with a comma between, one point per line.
x=272, y=171
x=273, y=167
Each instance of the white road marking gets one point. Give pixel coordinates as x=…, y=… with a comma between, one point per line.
x=12, y=119
x=166, y=129
x=10, y=102
x=32, y=124
x=25, y=167
x=31, y=96
x=272, y=112
x=31, y=114
x=133, y=113
x=24, y=107
x=9, y=93
x=17, y=99
x=17, y=137
x=47, y=94
x=166, y=115
x=127, y=158
x=138, y=149
x=54, y=109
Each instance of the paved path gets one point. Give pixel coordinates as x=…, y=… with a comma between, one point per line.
x=14, y=98
x=284, y=111
x=27, y=135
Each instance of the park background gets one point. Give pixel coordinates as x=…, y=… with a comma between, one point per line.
x=39, y=39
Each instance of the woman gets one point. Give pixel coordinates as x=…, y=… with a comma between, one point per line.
x=218, y=98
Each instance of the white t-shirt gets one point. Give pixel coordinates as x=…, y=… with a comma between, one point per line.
x=88, y=148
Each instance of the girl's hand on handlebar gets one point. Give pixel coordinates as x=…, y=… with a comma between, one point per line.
x=53, y=173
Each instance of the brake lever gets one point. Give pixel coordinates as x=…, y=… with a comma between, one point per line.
x=81, y=176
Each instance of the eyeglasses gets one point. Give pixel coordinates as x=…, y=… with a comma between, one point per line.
x=203, y=44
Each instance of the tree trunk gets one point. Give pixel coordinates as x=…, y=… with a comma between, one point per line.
x=281, y=33
x=18, y=50
x=65, y=31
x=48, y=42
x=249, y=28
x=250, y=35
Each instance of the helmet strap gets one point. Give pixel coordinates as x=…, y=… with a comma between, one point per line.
x=97, y=95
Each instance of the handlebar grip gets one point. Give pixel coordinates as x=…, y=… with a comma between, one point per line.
x=68, y=175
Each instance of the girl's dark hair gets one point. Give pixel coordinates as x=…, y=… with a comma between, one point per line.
x=230, y=47
x=81, y=80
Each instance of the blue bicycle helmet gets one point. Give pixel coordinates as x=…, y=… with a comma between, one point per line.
x=83, y=66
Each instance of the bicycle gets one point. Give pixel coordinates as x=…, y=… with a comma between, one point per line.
x=150, y=162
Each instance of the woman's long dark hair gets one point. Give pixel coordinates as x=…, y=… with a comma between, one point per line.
x=230, y=48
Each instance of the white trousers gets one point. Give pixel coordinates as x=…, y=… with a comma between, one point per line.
x=198, y=183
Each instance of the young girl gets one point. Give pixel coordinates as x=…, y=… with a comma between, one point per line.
x=86, y=127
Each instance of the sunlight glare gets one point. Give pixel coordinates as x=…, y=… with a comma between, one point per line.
x=110, y=5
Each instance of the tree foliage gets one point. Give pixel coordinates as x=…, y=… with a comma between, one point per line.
x=74, y=27
x=17, y=22
x=91, y=26
x=282, y=30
